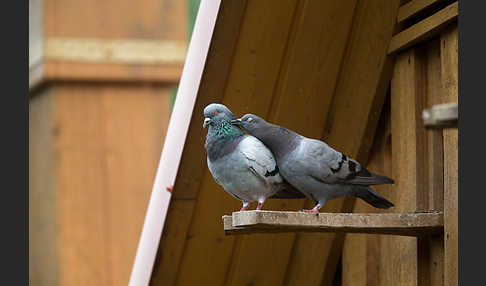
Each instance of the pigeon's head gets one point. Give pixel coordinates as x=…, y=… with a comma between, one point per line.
x=251, y=123
x=215, y=114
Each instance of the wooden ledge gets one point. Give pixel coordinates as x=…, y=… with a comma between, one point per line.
x=405, y=224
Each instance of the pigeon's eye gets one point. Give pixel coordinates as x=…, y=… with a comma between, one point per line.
x=249, y=119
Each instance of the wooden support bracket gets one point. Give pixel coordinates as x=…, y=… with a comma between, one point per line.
x=405, y=224
x=441, y=116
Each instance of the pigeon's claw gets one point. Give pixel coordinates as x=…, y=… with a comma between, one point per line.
x=245, y=206
x=259, y=206
x=314, y=210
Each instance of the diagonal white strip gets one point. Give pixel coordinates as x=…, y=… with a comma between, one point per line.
x=174, y=142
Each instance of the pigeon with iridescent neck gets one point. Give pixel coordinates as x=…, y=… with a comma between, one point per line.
x=241, y=163
x=313, y=167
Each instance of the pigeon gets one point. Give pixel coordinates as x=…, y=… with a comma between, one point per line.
x=313, y=167
x=241, y=163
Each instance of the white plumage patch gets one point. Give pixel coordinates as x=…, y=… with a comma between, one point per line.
x=242, y=172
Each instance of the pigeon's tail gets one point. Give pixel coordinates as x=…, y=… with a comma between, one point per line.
x=371, y=197
x=366, y=178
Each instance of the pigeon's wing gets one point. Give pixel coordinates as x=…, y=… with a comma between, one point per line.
x=330, y=166
x=260, y=160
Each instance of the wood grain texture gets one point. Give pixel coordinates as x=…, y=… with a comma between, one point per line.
x=144, y=21
x=278, y=221
x=43, y=250
x=407, y=92
x=449, y=71
x=98, y=194
x=424, y=30
x=361, y=253
x=147, y=19
x=434, y=164
x=412, y=8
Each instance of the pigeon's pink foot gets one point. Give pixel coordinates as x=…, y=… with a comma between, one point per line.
x=170, y=188
x=245, y=207
x=314, y=210
x=259, y=206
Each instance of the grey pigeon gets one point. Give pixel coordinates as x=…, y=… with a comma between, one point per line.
x=241, y=163
x=313, y=167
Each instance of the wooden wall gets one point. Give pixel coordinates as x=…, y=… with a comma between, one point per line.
x=424, y=166
x=101, y=76
x=324, y=69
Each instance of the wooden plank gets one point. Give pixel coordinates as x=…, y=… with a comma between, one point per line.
x=365, y=105
x=167, y=261
x=449, y=67
x=130, y=51
x=361, y=253
x=99, y=72
x=406, y=224
x=423, y=30
x=441, y=116
x=414, y=7
x=101, y=195
x=151, y=19
x=135, y=124
x=434, y=163
x=43, y=247
x=407, y=93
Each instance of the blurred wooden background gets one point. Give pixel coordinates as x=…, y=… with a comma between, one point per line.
x=101, y=78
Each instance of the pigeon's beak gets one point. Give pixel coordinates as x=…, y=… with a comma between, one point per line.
x=236, y=121
x=206, y=122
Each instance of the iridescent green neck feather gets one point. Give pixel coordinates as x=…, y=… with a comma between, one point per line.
x=226, y=130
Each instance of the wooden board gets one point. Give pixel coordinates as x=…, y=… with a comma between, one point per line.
x=413, y=8
x=423, y=30
x=98, y=195
x=407, y=224
x=361, y=252
x=407, y=148
x=449, y=71
x=43, y=247
x=151, y=21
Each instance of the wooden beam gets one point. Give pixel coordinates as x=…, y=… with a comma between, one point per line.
x=132, y=51
x=407, y=224
x=412, y=8
x=441, y=116
x=449, y=73
x=423, y=30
